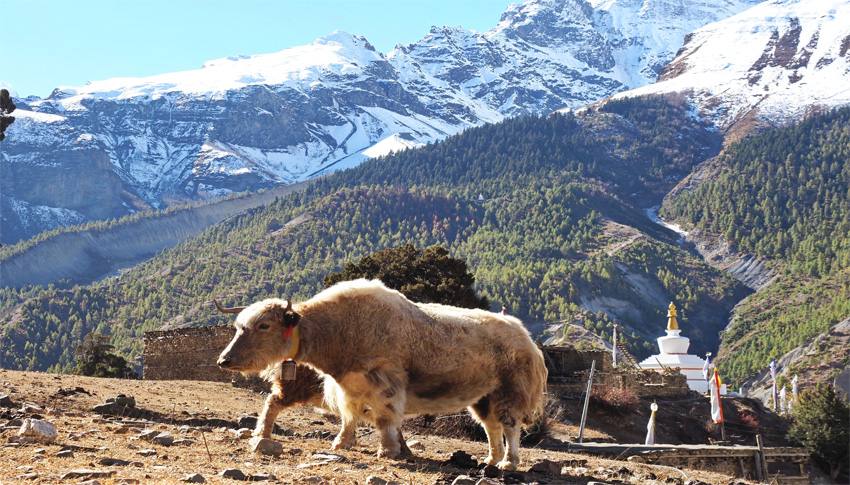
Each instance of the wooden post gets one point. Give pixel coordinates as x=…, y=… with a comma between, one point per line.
x=722, y=429
x=586, y=402
x=762, y=458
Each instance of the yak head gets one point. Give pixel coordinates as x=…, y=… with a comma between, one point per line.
x=265, y=335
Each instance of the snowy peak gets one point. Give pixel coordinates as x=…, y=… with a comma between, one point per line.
x=797, y=58
x=337, y=54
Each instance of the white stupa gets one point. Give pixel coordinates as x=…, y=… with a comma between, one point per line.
x=673, y=350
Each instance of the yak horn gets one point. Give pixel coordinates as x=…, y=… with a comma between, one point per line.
x=222, y=309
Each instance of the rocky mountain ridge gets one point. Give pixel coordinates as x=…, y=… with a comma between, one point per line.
x=243, y=123
x=796, y=61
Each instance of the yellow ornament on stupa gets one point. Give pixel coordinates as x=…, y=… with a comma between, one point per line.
x=672, y=324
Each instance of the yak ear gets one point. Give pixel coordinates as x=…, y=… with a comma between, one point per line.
x=287, y=315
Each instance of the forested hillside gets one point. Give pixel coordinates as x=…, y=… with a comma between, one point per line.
x=546, y=211
x=783, y=195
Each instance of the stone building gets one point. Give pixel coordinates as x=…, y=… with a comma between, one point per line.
x=186, y=354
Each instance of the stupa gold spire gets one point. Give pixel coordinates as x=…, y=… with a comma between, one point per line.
x=672, y=324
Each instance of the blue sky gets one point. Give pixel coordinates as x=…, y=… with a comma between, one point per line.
x=69, y=42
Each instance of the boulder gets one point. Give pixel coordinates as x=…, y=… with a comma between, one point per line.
x=265, y=446
x=416, y=445
x=87, y=473
x=194, y=478
x=462, y=459
x=463, y=480
x=547, y=467
x=37, y=431
x=163, y=439
x=6, y=402
x=233, y=474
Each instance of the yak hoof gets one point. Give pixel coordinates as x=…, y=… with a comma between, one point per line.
x=491, y=460
x=388, y=453
x=342, y=444
x=506, y=465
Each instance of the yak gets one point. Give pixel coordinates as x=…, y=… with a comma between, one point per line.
x=384, y=357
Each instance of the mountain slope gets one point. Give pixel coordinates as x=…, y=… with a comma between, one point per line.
x=783, y=196
x=251, y=122
x=548, y=217
x=770, y=64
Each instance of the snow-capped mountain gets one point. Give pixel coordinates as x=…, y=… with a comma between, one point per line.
x=242, y=123
x=771, y=63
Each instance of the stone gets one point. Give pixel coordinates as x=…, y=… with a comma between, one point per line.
x=123, y=401
x=28, y=408
x=233, y=474
x=463, y=480
x=548, y=467
x=487, y=481
x=491, y=471
x=87, y=473
x=147, y=452
x=373, y=480
x=27, y=476
x=163, y=439
x=148, y=434
x=328, y=457
x=37, y=431
x=107, y=461
x=416, y=445
x=6, y=402
x=261, y=477
x=65, y=454
x=183, y=442
x=194, y=478
x=247, y=421
x=314, y=480
x=242, y=433
x=265, y=446
x=462, y=459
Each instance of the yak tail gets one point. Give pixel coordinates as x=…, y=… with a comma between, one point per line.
x=536, y=388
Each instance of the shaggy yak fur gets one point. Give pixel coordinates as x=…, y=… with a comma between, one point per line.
x=384, y=356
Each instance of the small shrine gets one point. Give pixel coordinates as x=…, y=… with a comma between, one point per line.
x=673, y=353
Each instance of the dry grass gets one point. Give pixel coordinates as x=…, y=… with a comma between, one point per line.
x=178, y=401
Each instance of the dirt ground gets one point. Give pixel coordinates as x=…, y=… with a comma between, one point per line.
x=206, y=412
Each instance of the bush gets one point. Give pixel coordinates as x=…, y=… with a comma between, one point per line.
x=616, y=399
x=95, y=358
x=821, y=425
x=427, y=276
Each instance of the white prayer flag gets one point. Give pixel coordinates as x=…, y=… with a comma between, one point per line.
x=705, y=367
x=783, y=400
x=650, y=426
x=716, y=407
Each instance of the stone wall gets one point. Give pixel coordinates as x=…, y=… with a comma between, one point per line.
x=191, y=354
x=186, y=354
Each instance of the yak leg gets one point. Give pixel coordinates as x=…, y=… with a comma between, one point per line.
x=389, y=425
x=388, y=400
x=347, y=436
x=511, y=460
x=482, y=413
x=265, y=423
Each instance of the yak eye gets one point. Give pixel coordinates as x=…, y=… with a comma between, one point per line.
x=263, y=326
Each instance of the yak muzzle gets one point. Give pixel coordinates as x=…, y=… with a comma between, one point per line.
x=224, y=362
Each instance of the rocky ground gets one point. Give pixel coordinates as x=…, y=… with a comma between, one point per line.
x=182, y=431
